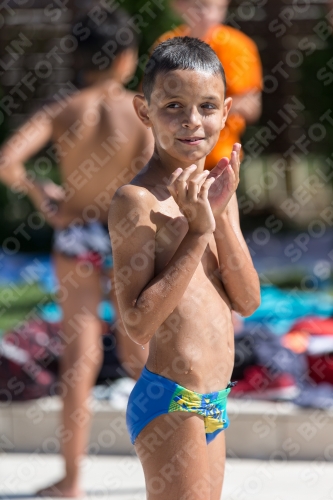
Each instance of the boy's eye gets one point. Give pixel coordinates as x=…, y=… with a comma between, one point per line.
x=208, y=105
x=173, y=105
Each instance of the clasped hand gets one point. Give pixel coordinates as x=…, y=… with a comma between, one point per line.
x=203, y=197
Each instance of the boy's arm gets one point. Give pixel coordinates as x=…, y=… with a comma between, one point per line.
x=248, y=105
x=238, y=274
x=145, y=299
x=19, y=148
x=245, y=79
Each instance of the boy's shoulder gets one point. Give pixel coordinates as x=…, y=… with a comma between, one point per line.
x=70, y=108
x=131, y=208
x=133, y=191
x=131, y=197
x=91, y=97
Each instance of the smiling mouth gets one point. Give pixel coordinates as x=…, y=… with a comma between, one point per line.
x=191, y=140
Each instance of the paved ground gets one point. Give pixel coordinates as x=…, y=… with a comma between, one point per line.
x=121, y=478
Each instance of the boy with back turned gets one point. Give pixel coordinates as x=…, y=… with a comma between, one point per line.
x=101, y=145
x=180, y=272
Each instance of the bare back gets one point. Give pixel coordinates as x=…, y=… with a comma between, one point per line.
x=100, y=145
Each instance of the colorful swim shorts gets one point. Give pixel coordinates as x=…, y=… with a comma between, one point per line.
x=85, y=243
x=154, y=395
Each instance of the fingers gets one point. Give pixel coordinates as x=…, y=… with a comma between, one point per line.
x=55, y=192
x=183, y=189
x=235, y=159
x=185, y=175
x=220, y=166
x=206, y=172
x=51, y=189
x=178, y=182
x=229, y=177
x=237, y=147
x=194, y=185
x=205, y=188
x=171, y=186
x=224, y=162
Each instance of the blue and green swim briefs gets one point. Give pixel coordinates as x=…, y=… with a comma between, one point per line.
x=154, y=395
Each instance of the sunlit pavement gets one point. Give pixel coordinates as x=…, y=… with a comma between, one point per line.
x=121, y=478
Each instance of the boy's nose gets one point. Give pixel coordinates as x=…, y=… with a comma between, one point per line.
x=192, y=119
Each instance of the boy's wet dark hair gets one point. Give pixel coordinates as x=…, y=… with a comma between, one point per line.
x=100, y=38
x=180, y=53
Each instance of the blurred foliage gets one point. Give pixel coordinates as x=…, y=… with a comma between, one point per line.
x=156, y=20
x=316, y=93
x=26, y=298
x=3, y=122
x=289, y=279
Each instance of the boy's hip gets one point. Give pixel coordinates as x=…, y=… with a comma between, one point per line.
x=155, y=395
x=86, y=243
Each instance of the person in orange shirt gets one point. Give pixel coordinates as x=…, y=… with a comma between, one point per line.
x=240, y=59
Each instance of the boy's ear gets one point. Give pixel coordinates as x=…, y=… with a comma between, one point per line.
x=226, y=108
x=141, y=109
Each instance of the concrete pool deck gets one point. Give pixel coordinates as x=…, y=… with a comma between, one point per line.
x=258, y=430
x=121, y=478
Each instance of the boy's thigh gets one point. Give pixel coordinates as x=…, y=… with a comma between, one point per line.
x=77, y=281
x=216, y=458
x=79, y=295
x=173, y=452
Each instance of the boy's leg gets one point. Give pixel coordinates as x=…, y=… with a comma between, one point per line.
x=131, y=355
x=216, y=457
x=79, y=297
x=173, y=451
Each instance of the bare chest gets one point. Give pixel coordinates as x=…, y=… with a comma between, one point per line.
x=172, y=228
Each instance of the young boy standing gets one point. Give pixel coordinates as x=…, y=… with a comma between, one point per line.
x=238, y=55
x=181, y=270
x=100, y=145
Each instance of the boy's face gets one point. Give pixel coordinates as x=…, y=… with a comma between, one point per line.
x=206, y=12
x=187, y=111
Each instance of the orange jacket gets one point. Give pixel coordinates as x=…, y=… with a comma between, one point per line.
x=241, y=61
